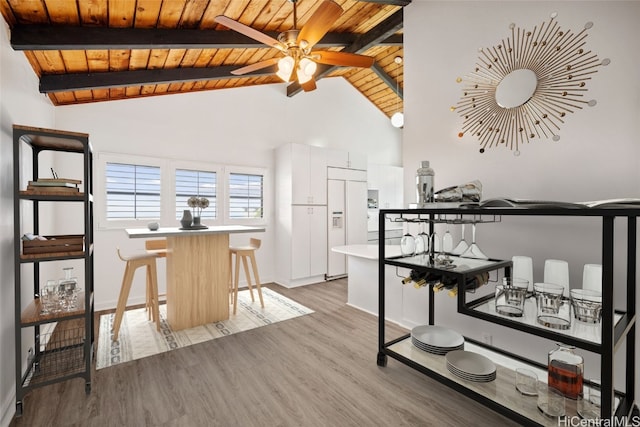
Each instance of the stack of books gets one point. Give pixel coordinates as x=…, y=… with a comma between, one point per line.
x=54, y=185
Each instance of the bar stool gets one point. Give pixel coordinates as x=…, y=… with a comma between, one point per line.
x=242, y=253
x=134, y=262
x=156, y=246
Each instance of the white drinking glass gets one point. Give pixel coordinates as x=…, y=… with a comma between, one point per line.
x=550, y=401
x=523, y=268
x=589, y=403
x=556, y=271
x=592, y=277
x=526, y=382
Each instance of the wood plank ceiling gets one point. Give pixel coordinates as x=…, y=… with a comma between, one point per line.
x=99, y=50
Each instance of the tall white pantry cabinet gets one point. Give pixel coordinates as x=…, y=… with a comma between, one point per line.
x=301, y=220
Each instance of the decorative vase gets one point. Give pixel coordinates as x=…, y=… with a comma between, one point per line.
x=186, y=219
x=196, y=221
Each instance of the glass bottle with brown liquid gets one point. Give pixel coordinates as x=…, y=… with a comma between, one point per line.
x=566, y=371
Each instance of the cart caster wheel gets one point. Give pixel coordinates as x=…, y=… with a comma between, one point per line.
x=19, y=408
x=382, y=359
x=87, y=388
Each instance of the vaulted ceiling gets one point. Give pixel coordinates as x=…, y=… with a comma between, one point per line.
x=98, y=50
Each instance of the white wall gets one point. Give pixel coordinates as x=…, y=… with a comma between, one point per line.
x=20, y=103
x=597, y=157
x=234, y=127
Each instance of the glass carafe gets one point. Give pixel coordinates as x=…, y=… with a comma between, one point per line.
x=566, y=371
x=68, y=289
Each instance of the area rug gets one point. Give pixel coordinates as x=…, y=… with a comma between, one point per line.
x=139, y=338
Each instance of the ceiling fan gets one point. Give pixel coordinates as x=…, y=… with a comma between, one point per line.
x=299, y=61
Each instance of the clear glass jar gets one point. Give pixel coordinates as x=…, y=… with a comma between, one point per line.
x=68, y=289
x=566, y=371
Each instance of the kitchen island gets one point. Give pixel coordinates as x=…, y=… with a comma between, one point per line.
x=198, y=272
x=404, y=305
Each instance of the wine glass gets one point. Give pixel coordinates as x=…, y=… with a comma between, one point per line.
x=447, y=241
x=473, y=251
x=435, y=241
x=407, y=244
x=419, y=245
x=462, y=244
x=424, y=236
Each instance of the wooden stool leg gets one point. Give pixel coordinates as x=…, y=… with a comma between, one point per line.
x=247, y=275
x=254, y=266
x=230, y=284
x=235, y=285
x=127, y=279
x=148, y=305
x=152, y=275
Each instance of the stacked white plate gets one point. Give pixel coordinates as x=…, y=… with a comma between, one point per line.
x=470, y=366
x=436, y=339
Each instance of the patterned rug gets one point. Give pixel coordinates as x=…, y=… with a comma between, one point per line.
x=139, y=338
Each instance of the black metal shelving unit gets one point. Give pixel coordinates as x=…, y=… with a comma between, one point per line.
x=617, y=326
x=63, y=353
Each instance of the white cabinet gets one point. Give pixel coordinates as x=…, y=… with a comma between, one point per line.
x=391, y=187
x=345, y=159
x=388, y=184
x=301, y=213
x=308, y=174
x=308, y=242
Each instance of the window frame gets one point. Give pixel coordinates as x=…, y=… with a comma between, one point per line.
x=168, y=191
x=202, y=167
x=266, y=194
x=100, y=190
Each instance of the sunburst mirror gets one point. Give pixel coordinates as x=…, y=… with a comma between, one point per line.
x=522, y=89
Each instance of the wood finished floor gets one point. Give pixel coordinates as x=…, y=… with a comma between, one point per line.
x=316, y=370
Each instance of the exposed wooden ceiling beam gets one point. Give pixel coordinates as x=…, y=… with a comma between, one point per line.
x=389, y=26
x=392, y=83
x=47, y=37
x=402, y=3
x=86, y=81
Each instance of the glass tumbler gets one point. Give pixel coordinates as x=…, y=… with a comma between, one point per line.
x=510, y=296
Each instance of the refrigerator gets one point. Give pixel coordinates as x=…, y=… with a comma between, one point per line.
x=347, y=220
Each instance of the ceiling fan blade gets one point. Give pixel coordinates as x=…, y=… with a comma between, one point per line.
x=247, y=31
x=309, y=86
x=254, y=67
x=344, y=59
x=320, y=22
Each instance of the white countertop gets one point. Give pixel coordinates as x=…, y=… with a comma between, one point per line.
x=175, y=231
x=367, y=251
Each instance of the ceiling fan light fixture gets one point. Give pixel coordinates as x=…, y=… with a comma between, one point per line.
x=285, y=68
x=308, y=66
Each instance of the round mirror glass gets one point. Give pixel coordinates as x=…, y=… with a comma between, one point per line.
x=516, y=88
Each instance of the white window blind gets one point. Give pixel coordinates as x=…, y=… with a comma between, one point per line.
x=133, y=191
x=246, y=196
x=196, y=183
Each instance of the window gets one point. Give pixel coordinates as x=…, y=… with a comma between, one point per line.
x=246, y=198
x=196, y=183
x=132, y=191
x=135, y=190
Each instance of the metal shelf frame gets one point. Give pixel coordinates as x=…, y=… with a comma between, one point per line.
x=613, y=333
x=54, y=359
